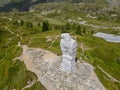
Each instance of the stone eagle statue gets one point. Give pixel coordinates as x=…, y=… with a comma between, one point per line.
x=68, y=48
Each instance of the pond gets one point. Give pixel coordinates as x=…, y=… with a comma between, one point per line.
x=108, y=37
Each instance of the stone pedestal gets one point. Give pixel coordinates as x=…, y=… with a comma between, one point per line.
x=68, y=48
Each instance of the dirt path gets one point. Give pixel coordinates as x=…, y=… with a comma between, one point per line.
x=83, y=22
x=30, y=84
x=17, y=35
x=112, y=78
x=103, y=27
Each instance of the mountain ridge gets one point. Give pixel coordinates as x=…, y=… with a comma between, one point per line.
x=24, y=5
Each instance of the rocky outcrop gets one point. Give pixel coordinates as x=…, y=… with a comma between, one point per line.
x=46, y=66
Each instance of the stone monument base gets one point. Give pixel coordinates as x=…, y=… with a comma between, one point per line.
x=67, y=65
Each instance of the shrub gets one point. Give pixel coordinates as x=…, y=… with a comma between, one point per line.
x=21, y=22
x=45, y=26
x=78, y=30
x=29, y=24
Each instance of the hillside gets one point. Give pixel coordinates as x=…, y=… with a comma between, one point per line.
x=41, y=25
x=25, y=5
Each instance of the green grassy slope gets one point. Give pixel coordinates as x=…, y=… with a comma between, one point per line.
x=13, y=73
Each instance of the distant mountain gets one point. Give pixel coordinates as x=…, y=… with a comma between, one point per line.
x=24, y=5
x=114, y=3
x=21, y=5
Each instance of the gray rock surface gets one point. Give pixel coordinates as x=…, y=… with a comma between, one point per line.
x=46, y=66
x=68, y=48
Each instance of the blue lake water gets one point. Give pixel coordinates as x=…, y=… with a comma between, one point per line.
x=108, y=37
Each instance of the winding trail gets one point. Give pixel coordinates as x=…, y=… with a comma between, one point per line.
x=13, y=33
x=95, y=26
x=103, y=27
x=112, y=78
x=30, y=84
